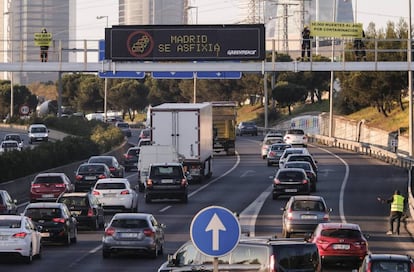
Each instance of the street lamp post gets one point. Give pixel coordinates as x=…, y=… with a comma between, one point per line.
x=194, y=73
x=106, y=79
x=410, y=83
x=11, y=60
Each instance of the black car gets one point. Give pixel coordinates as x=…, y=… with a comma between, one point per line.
x=290, y=181
x=130, y=158
x=247, y=128
x=166, y=180
x=7, y=204
x=124, y=127
x=88, y=173
x=117, y=170
x=56, y=221
x=250, y=254
x=86, y=208
x=313, y=178
x=387, y=262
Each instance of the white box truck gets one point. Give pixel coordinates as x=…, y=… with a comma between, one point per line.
x=150, y=154
x=189, y=128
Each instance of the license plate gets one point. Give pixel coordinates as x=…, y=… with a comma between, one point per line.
x=167, y=181
x=307, y=216
x=291, y=190
x=341, y=246
x=4, y=237
x=39, y=139
x=128, y=234
x=47, y=195
x=109, y=195
x=90, y=178
x=45, y=234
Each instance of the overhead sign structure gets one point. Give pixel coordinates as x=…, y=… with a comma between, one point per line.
x=336, y=29
x=172, y=75
x=43, y=39
x=219, y=75
x=122, y=74
x=215, y=231
x=185, y=42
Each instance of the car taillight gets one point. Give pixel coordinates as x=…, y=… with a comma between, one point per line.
x=125, y=192
x=90, y=212
x=272, y=264
x=412, y=267
x=321, y=241
x=149, y=182
x=289, y=215
x=60, y=185
x=79, y=177
x=369, y=267
x=360, y=244
x=101, y=176
x=149, y=232
x=96, y=193
x=35, y=185
x=21, y=235
x=272, y=153
x=112, y=169
x=59, y=220
x=127, y=156
x=109, y=231
x=305, y=181
x=276, y=181
x=326, y=217
x=183, y=182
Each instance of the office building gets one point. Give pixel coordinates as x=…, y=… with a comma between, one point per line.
x=22, y=19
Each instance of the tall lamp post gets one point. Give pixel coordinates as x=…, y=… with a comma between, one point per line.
x=11, y=60
x=332, y=77
x=194, y=73
x=410, y=83
x=106, y=79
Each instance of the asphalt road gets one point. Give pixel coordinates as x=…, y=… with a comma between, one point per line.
x=349, y=182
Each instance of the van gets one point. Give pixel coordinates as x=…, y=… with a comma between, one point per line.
x=38, y=133
x=251, y=254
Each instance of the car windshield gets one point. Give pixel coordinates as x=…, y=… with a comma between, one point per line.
x=38, y=130
x=73, y=201
x=278, y=147
x=123, y=125
x=49, y=179
x=12, y=137
x=129, y=223
x=308, y=205
x=297, y=257
x=10, y=224
x=341, y=233
x=290, y=175
x=305, y=166
x=390, y=266
x=107, y=186
x=91, y=169
x=134, y=152
x=43, y=213
x=165, y=171
x=296, y=132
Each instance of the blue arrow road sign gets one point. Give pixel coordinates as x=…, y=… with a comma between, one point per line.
x=122, y=74
x=219, y=75
x=215, y=231
x=175, y=75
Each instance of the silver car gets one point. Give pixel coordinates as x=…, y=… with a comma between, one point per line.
x=133, y=232
x=303, y=213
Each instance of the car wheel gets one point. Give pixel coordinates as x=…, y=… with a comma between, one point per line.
x=39, y=254
x=269, y=164
x=313, y=189
x=74, y=239
x=154, y=253
x=67, y=239
x=275, y=196
x=95, y=225
x=106, y=254
x=141, y=187
x=184, y=199
x=29, y=259
x=147, y=199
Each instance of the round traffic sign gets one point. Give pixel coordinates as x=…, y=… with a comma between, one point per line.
x=215, y=231
x=24, y=110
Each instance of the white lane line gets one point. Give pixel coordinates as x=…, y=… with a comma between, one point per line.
x=211, y=182
x=343, y=185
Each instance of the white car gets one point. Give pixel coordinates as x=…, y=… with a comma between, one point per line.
x=38, y=133
x=291, y=150
x=15, y=137
x=296, y=137
x=116, y=194
x=9, y=145
x=19, y=236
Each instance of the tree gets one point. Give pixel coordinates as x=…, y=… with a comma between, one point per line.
x=288, y=94
x=89, y=98
x=129, y=96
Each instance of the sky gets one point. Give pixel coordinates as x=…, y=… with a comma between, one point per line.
x=228, y=12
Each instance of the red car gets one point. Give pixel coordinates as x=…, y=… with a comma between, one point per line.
x=49, y=186
x=340, y=243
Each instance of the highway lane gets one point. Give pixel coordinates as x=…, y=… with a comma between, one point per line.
x=240, y=187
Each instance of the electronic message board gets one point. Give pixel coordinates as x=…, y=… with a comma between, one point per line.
x=185, y=42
